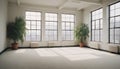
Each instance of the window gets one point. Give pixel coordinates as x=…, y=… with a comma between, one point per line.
x=96, y=25
x=33, y=25
x=68, y=22
x=51, y=26
x=114, y=23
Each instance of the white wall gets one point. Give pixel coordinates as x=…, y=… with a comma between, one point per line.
x=87, y=19
x=3, y=20
x=15, y=10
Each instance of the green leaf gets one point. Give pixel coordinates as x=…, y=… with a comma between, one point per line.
x=81, y=32
x=16, y=30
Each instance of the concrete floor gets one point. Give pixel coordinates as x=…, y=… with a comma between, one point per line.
x=59, y=58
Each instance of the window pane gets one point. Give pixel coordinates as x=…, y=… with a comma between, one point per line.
x=117, y=19
x=72, y=26
x=63, y=26
x=112, y=13
x=51, y=17
x=33, y=25
x=101, y=35
x=38, y=25
x=93, y=24
x=33, y=38
x=51, y=26
x=115, y=23
x=28, y=24
x=93, y=35
x=97, y=25
x=68, y=26
x=117, y=11
x=112, y=22
x=68, y=35
x=96, y=35
x=112, y=7
x=117, y=5
x=117, y=35
x=111, y=35
x=28, y=35
x=33, y=15
x=63, y=35
x=72, y=35
x=68, y=21
x=101, y=24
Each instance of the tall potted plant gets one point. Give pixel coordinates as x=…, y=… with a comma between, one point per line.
x=16, y=31
x=81, y=33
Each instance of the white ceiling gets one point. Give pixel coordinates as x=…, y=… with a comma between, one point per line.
x=60, y=4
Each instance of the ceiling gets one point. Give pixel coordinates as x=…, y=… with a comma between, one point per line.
x=60, y=4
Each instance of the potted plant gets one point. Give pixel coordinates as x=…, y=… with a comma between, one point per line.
x=81, y=34
x=16, y=31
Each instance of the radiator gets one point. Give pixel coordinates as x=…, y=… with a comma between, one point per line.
x=94, y=45
x=113, y=48
x=51, y=43
x=34, y=44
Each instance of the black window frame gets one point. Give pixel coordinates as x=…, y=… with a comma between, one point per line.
x=109, y=26
x=36, y=27
x=71, y=39
x=51, y=29
x=100, y=29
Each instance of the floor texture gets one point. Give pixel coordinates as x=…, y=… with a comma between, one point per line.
x=59, y=58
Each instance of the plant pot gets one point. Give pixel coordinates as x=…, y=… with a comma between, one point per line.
x=14, y=46
x=81, y=44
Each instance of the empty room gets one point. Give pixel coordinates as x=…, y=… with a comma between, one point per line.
x=59, y=34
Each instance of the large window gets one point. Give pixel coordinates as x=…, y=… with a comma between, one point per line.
x=96, y=25
x=114, y=25
x=33, y=25
x=68, y=22
x=51, y=26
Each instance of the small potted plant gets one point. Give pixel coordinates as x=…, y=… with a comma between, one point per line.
x=81, y=34
x=16, y=31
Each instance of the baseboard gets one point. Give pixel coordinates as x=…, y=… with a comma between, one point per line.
x=104, y=50
x=51, y=46
x=60, y=47
x=4, y=50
